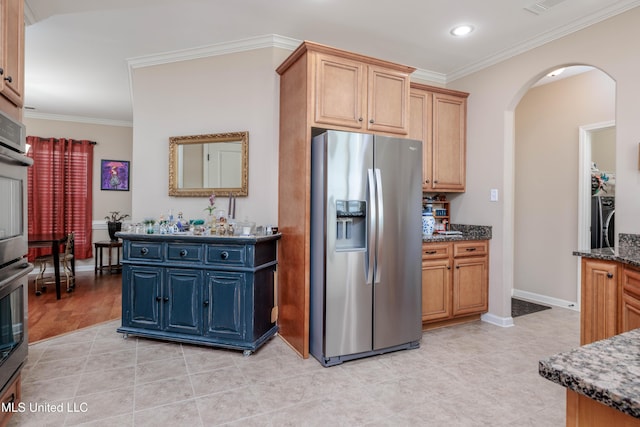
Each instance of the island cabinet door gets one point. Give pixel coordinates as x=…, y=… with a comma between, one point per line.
x=142, y=297
x=183, y=301
x=599, y=300
x=224, y=302
x=630, y=316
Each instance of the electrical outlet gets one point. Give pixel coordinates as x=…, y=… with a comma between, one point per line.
x=494, y=195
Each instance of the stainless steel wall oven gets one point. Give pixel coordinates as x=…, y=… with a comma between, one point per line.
x=14, y=267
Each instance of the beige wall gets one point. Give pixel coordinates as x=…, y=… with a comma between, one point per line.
x=230, y=93
x=546, y=179
x=113, y=142
x=495, y=93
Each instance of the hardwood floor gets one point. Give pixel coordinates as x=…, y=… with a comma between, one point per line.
x=96, y=299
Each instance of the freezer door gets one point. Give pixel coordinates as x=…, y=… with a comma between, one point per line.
x=348, y=297
x=398, y=288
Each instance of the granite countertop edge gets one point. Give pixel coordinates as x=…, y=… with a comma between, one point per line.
x=622, y=255
x=469, y=232
x=607, y=371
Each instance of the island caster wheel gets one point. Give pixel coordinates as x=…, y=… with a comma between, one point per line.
x=247, y=353
x=125, y=336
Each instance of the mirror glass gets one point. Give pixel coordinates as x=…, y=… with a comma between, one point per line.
x=201, y=165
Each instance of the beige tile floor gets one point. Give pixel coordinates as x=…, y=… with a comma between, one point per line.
x=468, y=375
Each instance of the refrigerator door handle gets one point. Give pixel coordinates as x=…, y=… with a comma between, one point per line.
x=380, y=233
x=370, y=257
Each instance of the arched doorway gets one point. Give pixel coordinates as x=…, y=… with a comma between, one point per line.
x=546, y=182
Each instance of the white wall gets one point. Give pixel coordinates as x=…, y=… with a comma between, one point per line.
x=546, y=179
x=495, y=92
x=230, y=93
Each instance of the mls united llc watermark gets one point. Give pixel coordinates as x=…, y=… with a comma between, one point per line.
x=21, y=407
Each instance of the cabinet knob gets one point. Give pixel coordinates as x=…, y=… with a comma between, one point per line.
x=144, y=251
x=610, y=275
x=435, y=181
x=2, y=72
x=457, y=266
x=360, y=119
x=158, y=298
x=205, y=303
x=448, y=267
x=426, y=181
x=183, y=253
x=224, y=255
x=370, y=120
x=166, y=299
x=8, y=79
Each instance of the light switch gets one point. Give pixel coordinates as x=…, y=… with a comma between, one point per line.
x=494, y=194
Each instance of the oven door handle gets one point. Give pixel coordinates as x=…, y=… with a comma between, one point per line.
x=12, y=157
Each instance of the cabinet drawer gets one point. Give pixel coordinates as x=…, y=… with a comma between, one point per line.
x=470, y=248
x=631, y=281
x=184, y=253
x=226, y=255
x=435, y=250
x=144, y=250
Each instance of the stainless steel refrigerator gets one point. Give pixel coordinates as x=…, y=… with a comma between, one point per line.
x=366, y=240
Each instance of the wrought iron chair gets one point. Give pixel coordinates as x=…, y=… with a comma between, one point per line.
x=66, y=260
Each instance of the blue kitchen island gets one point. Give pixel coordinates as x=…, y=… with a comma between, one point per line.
x=208, y=290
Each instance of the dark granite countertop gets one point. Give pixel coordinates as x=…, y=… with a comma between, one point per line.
x=628, y=251
x=469, y=232
x=607, y=371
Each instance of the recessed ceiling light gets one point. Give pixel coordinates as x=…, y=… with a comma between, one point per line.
x=461, y=30
x=555, y=72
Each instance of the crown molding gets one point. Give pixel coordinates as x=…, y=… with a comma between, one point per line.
x=77, y=119
x=430, y=76
x=541, y=40
x=252, y=43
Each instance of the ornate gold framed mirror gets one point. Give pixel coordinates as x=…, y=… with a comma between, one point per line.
x=201, y=165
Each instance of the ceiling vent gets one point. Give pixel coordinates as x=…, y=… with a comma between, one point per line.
x=542, y=6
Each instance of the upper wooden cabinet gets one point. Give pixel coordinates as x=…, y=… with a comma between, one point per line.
x=438, y=118
x=12, y=51
x=353, y=92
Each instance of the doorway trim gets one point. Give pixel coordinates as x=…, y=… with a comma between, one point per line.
x=584, y=188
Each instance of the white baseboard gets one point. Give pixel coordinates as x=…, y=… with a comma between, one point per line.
x=504, y=322
x=543, y=299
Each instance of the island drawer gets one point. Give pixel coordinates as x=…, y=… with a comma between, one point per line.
x=184, y=252
x=226, y=255
x=143, y=251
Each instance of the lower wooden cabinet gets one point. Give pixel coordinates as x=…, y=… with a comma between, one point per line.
x=455, y=282
x=610, y=299
x=599, y=305
x=9, y=401
x=630, y=307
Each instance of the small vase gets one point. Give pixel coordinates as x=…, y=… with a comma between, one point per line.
x=428, y=223
x=113, y=228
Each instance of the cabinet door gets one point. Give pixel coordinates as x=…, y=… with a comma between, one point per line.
x=470, y=285
x=183, y=301
x=449, y=142
x=142, y=297
x=339, y=92
x=12, y=50
x=420, y=126
x=630, y=316
x=387, y=101
x=436, y=289
x=224, y=305
x=598, y=311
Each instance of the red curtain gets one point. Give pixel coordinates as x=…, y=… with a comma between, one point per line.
x=60, y=184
